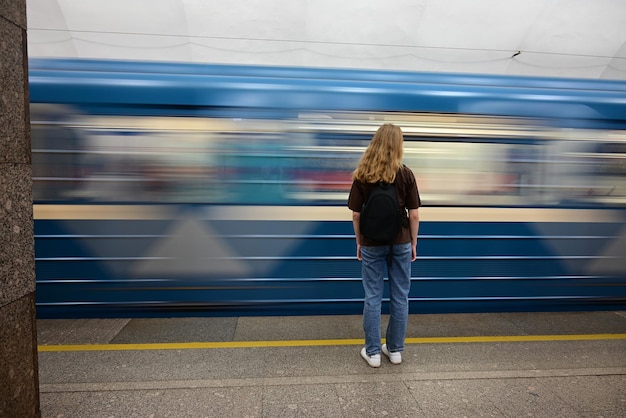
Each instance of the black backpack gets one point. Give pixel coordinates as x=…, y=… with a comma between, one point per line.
x=381, y=216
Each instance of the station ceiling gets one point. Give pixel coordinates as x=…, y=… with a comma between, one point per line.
x=552, y=38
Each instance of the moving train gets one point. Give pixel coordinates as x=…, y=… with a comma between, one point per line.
x=170, y=189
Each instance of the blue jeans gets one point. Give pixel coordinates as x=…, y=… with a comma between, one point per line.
x=375, y=259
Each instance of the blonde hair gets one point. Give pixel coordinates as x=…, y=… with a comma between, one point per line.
x=383, y=157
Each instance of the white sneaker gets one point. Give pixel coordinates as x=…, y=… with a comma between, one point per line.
x=373, y=361
x=395, y=358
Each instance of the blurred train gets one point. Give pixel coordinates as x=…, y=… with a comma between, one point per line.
x=166, y=189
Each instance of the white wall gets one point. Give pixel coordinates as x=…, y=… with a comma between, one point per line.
x=572, y=38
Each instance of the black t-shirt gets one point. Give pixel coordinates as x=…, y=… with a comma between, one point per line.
x=408, y=198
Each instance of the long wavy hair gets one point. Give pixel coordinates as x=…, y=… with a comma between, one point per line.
x=383, y=157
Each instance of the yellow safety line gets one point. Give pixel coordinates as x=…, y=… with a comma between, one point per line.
x=311, y=343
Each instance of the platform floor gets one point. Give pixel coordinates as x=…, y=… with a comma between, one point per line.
x=455, y=365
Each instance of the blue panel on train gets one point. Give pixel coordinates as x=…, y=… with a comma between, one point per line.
x=130, y=85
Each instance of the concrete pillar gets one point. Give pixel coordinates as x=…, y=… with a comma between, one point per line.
x=19, y=383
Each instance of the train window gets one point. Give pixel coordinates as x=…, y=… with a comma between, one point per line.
x=56, y=154
x=458, y=159
x=587, y=167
